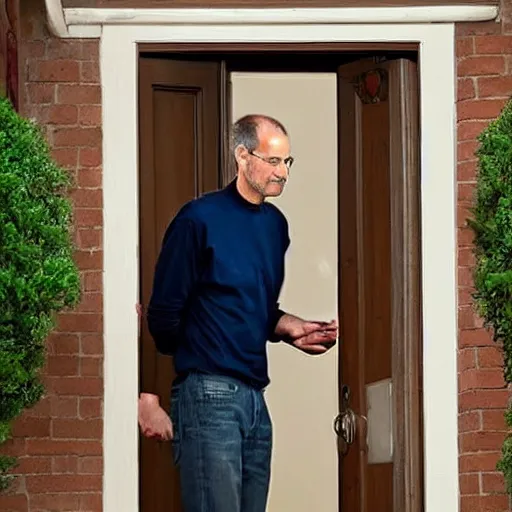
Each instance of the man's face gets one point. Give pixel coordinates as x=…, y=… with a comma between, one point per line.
x=266, y=167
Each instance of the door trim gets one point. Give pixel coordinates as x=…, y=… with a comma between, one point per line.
x=119, y=55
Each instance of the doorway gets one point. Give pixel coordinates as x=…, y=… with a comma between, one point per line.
x=372, y=268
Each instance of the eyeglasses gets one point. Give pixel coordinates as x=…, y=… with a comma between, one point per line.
x=275, y=161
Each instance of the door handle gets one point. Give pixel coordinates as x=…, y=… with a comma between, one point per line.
x=345, y=423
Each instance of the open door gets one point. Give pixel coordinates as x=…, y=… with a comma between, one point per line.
x=379, y=425
x=180, y=123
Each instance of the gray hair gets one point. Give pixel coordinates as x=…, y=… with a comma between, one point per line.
x=245, y=131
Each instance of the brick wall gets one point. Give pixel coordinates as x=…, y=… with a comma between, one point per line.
x=59, y=442
x=484, y=58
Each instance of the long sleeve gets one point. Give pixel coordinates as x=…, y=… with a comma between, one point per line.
x=176, y=274
x=275, y=316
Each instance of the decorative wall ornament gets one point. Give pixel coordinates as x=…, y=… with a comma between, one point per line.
x=372, y=86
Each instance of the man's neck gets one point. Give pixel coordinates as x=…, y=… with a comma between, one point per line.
x=248, y=192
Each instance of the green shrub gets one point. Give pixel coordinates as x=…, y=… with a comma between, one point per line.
x=492, y=226
x=38, y=276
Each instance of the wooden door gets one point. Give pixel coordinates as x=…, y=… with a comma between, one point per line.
x=379, y=288
x=180, y=153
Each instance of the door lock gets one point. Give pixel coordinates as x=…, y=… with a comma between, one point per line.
x=345, y=424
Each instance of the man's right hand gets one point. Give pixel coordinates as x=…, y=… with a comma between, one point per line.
x=154, y=422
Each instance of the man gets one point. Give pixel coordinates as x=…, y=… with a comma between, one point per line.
x=214, y=306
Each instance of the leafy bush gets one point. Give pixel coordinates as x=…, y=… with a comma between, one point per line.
x=38, y=276
x=492, y=226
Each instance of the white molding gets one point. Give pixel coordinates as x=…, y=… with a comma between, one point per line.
x=87, y=22
x=438, y=241
x=56, y=21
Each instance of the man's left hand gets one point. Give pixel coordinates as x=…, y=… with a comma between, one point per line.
x=312, y=337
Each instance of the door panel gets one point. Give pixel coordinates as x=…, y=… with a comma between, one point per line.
x=379, y=286
x=179, y=123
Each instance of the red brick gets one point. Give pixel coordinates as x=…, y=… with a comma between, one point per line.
x=479, y=109
x=90, y=303
x=64, y=447
x=477, y=28
x=490, y=503
x=90, y=157
x=40, y=93
x=465, y=46
x=80, y=322
x=70, y=137
x=54, y=71
x=93, y=281
x=92, y=344
x=76, y=386
x=478, y=65
x=13, y=503
x=91, y=465
x=463, y=214
x=465, y=237
x=77, y=428
x=493, y=420
x=40, y=409
x=31, y=427
x=79, y=94
x=490, y=357
x=470, y=130
x=481, y=379
x=64, y=406
x=466, y=171
x=91, y=502
x=88, y=217
x=466, y=256
x=465, y=89
x=63, y=483
x=90, y=72
x=468, y=319
x=60, y=501
x=483, y=399
x=90, y=408
x=495, y=87
x=475, y=338
x=466, y=151
x=64, y=49
x=91, y=367
x=65, y=464
x=84, y=198
x=34, y=465
x=63, y=344
x=470, y=421
x=466, y=296
x=62, y=114
x=469, y=483
x=66, y=157
x=481, y=441
x=90, y=115
x=466, y=359
x=465, y=277
x=89, y=178
x=62, y=365
x=491, y=45
x=466, y=191
x=90, y=238
x=90, y=50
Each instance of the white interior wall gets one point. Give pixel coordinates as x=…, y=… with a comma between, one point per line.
x=303, y=393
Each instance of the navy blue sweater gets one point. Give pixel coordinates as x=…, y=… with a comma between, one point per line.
x=217, y=281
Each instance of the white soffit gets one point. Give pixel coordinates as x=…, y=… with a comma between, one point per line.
x=87, y=22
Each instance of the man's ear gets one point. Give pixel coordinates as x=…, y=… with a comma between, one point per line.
x=241, y=155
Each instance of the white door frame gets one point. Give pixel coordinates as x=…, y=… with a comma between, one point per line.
x=438, y=234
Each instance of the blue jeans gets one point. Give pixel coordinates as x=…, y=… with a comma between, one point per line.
x=222, y=444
